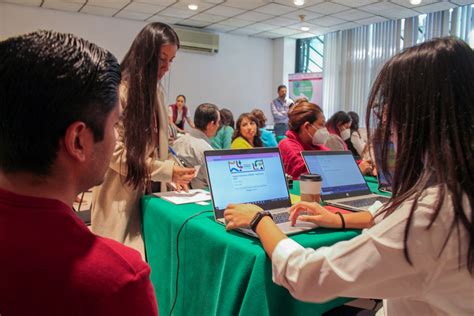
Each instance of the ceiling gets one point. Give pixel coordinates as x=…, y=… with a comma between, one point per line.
x=259, y=18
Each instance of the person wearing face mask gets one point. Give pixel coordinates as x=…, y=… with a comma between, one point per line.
x=306, y=132
x=355, y=143
x=246, y=134
x=339, y=128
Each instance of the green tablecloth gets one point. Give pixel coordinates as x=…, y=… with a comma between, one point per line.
x=220, y=273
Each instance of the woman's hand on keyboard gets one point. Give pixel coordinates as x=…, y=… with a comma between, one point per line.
x=315, y=213
x=240, y=215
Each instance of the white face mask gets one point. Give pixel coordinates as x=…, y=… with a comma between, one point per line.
x=320, y=137
x=346, y=134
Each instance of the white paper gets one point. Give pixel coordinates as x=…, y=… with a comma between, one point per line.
x=193, y=196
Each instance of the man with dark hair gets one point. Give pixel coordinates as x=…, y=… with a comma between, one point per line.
x=280, y=107
x=58, y=108
x=191, y=146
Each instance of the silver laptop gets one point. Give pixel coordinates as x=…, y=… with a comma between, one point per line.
x=252, y=176
x=343, y=184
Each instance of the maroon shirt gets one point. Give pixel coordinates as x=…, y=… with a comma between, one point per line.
x=51, y=264
x=290, y=149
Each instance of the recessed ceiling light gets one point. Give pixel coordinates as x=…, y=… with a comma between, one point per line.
x=305, y=28
x=415, y=2
x=193, y=7
x=298, y=2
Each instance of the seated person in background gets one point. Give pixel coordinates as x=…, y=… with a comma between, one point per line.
x=59, y=105
x=355, y=143
x=338, y=126
x=191, y=146
x=223, y=137
x=246, y=134
x=179, y=113
x=418, y=256
x=268, y=138
x=306, y=132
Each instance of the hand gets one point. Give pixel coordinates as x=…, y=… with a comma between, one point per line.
x=182, y=176
x=318, y=215
x=240, y=215
x=367, y=168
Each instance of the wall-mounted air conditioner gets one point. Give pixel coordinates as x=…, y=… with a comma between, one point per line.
x=198, y=41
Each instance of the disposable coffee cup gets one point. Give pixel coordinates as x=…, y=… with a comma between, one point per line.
x=310, y=187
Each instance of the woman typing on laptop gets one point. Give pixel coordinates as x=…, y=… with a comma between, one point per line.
x=419, y=254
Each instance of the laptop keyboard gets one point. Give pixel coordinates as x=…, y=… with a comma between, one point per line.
x=281, y=217
x=365, y=202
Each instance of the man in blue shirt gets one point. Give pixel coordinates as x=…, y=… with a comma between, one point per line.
x=280, y=108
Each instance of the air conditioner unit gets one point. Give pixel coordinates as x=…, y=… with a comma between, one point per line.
x=198, y=41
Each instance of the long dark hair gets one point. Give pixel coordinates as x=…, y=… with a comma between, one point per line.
x=140, y=68
x=257, y=141
x=227, y=118
x=426, y=95
x=354, y=122
x=335, y=120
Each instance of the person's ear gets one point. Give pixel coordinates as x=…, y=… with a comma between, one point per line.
x=77, y=141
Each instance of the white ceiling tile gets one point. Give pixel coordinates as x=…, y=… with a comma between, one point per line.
x=236, y=22
x=244, y=31
x=286, y=31
x=183, y=5
x=381, y=7
x=133, y=15
x=308, y=15
x=463, y=2
x=177, y=13
x=116, y=4
x=35, y=3
x=303, y=35
x=220, y=28
x=279, y=21
x=246, y=4
x=275, y=9
x=263, y=27
x=327, y=21
x=254, y=16
x=225, y=11
x=213, y=1
x=144, y=8
x=407, y=4
x=435, y=7
x=372, y=20
x=192, y=23
x=355, y=4
x=348, y=25
x=291, y=3
x=62, y=5
x=163, y=3
x=164, y=19
x=352, y=15
x=327, y=8
x=208, y=17
x=91, y=9
x=267, y=35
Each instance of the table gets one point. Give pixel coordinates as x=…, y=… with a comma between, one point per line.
x=220, y=273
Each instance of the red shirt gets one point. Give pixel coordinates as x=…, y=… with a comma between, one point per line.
x=290, y=150
x=51, y=264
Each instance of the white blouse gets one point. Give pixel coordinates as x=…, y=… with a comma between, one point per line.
x=373, y=265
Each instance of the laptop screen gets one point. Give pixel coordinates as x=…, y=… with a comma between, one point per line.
x=385, y=178
x=247, y=176
x=340, y=173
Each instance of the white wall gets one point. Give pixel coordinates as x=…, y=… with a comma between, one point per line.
x=239, y=77
x=284, y=54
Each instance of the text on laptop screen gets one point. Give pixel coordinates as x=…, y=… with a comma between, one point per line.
x=254, y=178
x=340, y=173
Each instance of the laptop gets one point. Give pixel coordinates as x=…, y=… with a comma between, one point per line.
x=384, y=179
x=343, y=184
x=252, y=176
